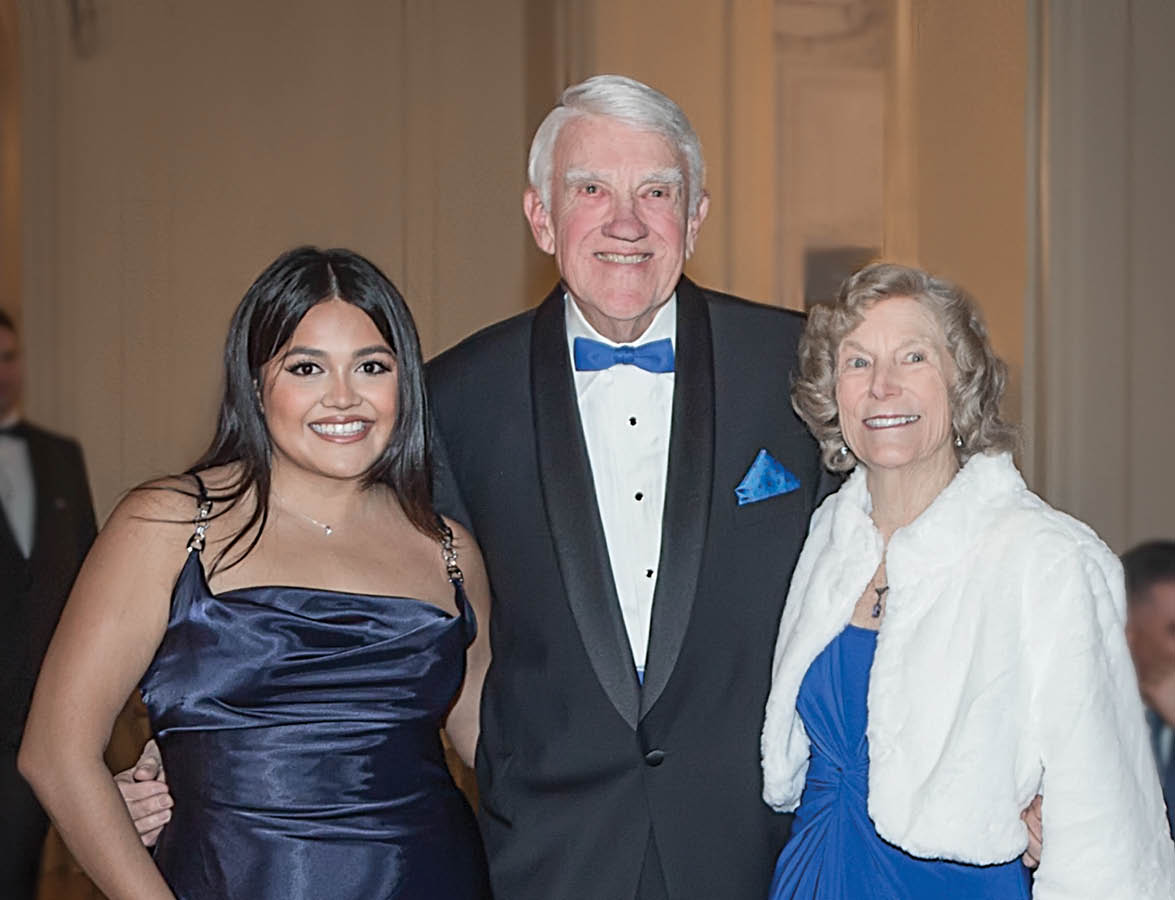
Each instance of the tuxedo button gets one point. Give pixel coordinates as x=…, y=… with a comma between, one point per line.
x=654, y=758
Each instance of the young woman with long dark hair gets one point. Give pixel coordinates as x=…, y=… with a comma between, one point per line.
x=300, y=621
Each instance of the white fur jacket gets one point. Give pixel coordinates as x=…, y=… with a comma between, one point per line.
x=1001, y=671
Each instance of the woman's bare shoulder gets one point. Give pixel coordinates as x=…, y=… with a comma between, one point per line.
x=171, y=499
x=174, y=499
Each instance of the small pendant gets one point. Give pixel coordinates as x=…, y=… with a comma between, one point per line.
x=880, y=591
x=329, y=531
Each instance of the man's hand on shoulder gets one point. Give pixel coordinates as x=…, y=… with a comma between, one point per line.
x=144, y=791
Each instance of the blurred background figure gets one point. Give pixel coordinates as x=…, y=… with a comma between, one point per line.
x=45, y=531
x=1150, y=633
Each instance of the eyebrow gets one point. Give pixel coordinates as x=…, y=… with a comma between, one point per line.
x=322, y=354
x=661, y=176
x=571, y=176
x=374, y=348
x=924, y=339
x=664, y=176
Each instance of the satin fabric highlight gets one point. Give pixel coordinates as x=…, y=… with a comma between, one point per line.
x=300, y=733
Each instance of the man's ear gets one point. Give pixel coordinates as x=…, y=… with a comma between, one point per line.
x=539, y=219
x=694, y=224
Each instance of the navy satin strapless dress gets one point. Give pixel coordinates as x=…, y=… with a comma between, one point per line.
x=835, y=852
x=300, y=734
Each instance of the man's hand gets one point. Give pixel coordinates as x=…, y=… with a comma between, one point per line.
x=1032, y=819
x=144, y=791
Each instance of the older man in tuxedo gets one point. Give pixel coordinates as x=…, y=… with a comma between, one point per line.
x=46, y=528
x=629, y=460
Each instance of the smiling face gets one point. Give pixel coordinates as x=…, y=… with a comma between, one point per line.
x=330, y=394
x=618, y=222
x=893, y=389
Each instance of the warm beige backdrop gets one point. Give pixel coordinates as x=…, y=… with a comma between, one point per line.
x=169, y=149
x=181, y=146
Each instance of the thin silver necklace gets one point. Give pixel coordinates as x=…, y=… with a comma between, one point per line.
x=328, y=530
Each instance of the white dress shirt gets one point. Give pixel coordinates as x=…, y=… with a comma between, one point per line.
x=17, y=492
x=626, y=414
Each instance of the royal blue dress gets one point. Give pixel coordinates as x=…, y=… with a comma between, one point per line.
x=300, y=734
x=834, y=852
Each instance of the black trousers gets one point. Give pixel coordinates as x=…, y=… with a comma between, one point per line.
x=22, y=832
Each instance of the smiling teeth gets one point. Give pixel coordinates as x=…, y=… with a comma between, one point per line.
x=624, y=258
x=342, y=429
x=890, y=421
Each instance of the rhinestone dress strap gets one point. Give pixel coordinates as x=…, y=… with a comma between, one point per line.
x=203, y=511
x=449, y=554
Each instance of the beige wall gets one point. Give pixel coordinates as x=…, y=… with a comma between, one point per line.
x=9, y=158
x=167, y=156
x=181, y=146
x=1104, y=422
x=966, y=143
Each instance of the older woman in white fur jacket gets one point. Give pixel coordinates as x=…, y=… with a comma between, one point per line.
x=951, y=645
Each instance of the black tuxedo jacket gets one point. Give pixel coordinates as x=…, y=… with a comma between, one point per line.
x=577, y=761
x=33, y=590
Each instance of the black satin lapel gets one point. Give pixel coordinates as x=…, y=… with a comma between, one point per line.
x=687, y=491
x=570, y=497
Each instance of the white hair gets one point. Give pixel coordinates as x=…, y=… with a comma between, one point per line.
x=631, y=102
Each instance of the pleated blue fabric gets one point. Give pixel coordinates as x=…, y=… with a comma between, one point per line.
x=834, y=852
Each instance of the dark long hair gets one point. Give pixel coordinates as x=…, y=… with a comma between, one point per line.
x=262, y=324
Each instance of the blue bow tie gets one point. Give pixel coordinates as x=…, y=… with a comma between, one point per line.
x=592, y=356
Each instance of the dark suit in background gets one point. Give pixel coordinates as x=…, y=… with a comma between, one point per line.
x=593, y=785
x=32, y=592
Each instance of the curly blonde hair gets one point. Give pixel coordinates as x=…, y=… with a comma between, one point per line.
x=980, y=375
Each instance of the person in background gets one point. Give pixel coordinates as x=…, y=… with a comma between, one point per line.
x=951, y=645
x=1150, y=634
x=46, y=527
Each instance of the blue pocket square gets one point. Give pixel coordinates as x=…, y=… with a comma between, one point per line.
x=767, y=477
